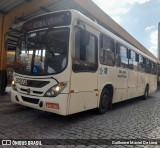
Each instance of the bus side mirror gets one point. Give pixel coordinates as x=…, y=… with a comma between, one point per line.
x=10, y=44
x=10, y=41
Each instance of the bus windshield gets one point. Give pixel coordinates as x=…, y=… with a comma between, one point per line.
x=42, y=52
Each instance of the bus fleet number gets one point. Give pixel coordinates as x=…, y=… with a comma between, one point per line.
x=21, y=81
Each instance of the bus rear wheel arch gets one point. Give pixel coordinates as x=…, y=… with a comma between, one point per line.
x=105, y=102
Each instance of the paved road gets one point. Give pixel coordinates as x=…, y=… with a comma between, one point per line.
x=133, y=119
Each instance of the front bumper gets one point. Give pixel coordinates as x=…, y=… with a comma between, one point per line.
x=40, y=103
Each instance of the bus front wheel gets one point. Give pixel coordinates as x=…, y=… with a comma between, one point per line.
x=104, y=101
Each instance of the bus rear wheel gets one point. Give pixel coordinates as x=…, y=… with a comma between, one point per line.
x=104, y=103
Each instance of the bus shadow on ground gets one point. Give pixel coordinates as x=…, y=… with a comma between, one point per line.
x=90, y=114
x=129, y=102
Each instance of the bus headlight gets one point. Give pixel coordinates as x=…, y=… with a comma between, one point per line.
x=14, y=85
x=56, y=89
x=13, y=82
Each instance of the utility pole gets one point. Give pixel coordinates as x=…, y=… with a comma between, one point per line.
x=158, y=41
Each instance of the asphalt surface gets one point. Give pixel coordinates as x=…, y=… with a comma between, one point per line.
x=133, y=119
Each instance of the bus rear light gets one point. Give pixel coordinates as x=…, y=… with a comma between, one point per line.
x=56, y=89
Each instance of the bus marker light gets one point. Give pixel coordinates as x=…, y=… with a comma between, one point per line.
x=63, y=84
x=52, y=105
x=71, y=91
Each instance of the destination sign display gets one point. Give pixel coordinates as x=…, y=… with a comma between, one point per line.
x=48, y=20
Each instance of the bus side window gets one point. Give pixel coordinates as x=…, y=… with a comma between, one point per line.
x=144, y=63
x=133, y=60
x=121, y=56
x=148, y=66
x=107, y=51
x=153, y=68
x=85, y=52
x=141, y=65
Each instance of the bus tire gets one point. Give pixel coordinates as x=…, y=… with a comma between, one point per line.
x=145, y=96
x=104, y=103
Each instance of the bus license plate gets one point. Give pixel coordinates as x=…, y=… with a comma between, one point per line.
x=52, y=105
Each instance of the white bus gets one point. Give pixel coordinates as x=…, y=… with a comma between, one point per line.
x=67, y=63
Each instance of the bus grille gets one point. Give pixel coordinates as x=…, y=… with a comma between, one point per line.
x=30, y=100
x=35, y=92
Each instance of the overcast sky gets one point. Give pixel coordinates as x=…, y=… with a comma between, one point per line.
x=139, y=17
